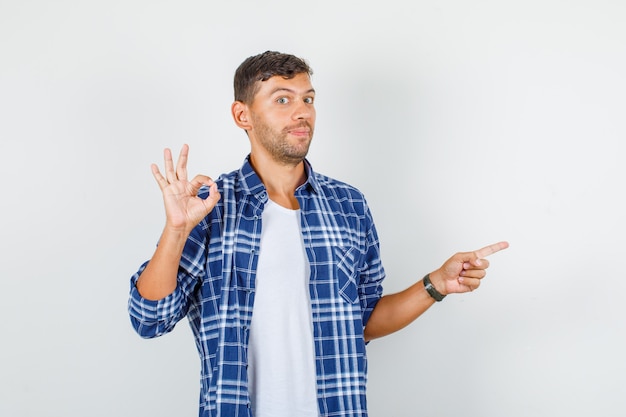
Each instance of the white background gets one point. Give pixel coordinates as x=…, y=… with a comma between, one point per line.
x=464, y=122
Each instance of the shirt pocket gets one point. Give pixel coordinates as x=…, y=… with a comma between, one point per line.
x=345, y=271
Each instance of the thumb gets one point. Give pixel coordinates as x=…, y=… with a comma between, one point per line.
x=472, y=258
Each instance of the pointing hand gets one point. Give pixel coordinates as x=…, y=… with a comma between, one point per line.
x=463, y=271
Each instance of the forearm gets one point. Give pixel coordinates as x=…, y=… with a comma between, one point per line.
x=396, y=311
x=158, y=279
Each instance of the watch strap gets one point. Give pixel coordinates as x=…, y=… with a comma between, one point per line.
x=431, y=290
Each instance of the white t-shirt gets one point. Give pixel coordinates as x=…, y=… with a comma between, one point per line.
x=281, y=355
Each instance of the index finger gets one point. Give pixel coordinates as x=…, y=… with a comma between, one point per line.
x=491, y=249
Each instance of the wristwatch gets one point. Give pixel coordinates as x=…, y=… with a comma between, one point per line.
x=431, y=290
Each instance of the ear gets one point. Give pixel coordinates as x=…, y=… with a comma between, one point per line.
x=240, y=115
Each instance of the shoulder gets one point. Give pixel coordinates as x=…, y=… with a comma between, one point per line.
x=332, y=187
x=341, y=196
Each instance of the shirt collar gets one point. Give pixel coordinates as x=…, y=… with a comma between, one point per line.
x=311, y=178
x=251, y=183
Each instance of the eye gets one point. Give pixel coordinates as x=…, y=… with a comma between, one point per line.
x=282, y=100
x=308, y=100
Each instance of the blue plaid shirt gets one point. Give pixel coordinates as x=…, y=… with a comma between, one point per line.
x=216, y=284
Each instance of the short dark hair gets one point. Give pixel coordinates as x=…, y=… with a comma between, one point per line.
x=262, y=67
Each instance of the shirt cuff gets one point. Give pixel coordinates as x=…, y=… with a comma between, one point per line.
x=153, y=318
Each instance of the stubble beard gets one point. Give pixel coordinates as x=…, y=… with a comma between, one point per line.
x=282, y=150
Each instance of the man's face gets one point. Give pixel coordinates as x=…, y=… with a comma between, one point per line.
x=283, y=118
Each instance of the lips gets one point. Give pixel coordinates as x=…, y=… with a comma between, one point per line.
x=300, y=130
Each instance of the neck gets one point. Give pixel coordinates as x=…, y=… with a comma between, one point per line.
x=280, y=180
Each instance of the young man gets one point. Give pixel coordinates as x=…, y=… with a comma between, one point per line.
x=276, y=266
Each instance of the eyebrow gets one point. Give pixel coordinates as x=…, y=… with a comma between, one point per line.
x=289, y=90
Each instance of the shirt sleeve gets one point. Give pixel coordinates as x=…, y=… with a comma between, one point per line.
x=372, y=272
x=153, y=318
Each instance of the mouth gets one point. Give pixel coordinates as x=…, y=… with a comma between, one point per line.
x=301, y=130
